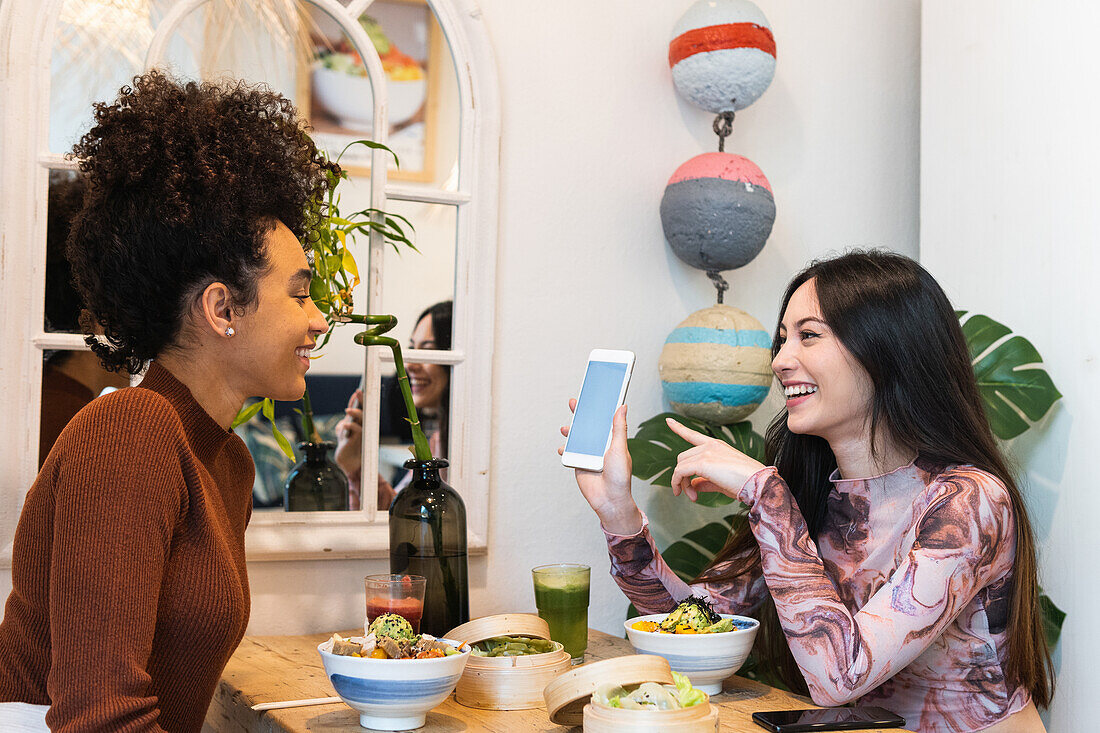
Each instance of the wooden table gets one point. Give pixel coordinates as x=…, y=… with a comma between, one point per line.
x=277, y=668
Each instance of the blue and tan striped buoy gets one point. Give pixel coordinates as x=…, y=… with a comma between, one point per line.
x=716, y=365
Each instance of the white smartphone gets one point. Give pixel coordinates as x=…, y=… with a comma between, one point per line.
x=604, y=388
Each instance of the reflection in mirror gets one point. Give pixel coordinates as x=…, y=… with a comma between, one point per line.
x=422, y=91
x=411, y=280
x=98, y=47
x=337, y=400
x=258, y=41
x=329, y=396
x=414, y=279
x=70, y=380
x=430, y=386
x=63, y=303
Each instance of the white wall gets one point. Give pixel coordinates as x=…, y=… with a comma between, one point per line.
x=592, y=129
x=1009, y=157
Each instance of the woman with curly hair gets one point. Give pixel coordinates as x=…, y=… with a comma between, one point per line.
x=130, y=589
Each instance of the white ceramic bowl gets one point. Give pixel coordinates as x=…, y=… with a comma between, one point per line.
x=393, y=694
x=706, y=659
x=350, y=100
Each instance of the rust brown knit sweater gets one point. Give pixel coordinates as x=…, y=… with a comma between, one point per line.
x=129, y=583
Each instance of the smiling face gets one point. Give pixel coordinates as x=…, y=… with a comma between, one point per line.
x=427, y=380
x=271, y=346
x=828, y=392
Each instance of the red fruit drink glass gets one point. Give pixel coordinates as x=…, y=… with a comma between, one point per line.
x=400, y=594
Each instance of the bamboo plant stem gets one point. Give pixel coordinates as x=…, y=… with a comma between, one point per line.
x=421, y=449
x=373, y=337
x=309, y=429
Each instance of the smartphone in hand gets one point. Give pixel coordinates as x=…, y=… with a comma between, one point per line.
x=603, y=390
x=800, y=721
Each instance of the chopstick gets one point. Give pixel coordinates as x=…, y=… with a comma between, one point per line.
x=260, y=707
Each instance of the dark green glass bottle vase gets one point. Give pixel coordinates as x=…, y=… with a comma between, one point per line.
x=428, y=538
x=316, y=483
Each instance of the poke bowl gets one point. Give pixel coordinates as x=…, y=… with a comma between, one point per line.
x=705, y=657
x=350, y=99
x=393, y=694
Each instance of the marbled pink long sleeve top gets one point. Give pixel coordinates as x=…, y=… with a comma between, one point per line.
x=902, y=602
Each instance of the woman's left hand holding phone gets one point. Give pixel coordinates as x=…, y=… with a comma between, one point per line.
x=608, y=491
x=709, y=465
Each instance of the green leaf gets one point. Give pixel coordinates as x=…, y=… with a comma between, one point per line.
x=348, y=263
x=374, y=146
x=318, y=290
x=653, y=450
x=1011, y=380
x=742, y=437
x=713, y=499
x=246, y=414
x=387, y=216
x=688, y=556
x=711, y=537
x=685, y=560
x=1053, y=617
x=284, y=444
x=981, y=332
x=268, y=409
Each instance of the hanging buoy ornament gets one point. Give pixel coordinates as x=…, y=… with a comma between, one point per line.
x=722, y=54
x=716, y=365
x=717, y=211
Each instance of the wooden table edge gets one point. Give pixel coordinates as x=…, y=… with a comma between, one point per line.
x=289, y=668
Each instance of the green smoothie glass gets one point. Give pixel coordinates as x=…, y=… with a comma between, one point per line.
x=561, y=595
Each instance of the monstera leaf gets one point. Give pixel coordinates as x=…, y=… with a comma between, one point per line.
x=689, y=555
x=1012, y=383
x=654, y=449
x=1053, y=617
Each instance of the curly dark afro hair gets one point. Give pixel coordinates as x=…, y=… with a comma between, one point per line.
x=184, y=181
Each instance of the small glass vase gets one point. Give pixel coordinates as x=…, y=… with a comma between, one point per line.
x=316, y=483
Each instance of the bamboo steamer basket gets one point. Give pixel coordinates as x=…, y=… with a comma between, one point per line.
x=507, y=683
x=701, y=718
x=569, y=692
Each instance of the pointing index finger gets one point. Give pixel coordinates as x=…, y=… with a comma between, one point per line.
x=692, y=436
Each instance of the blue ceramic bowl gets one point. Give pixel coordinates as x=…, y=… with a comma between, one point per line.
x=706, y=659
x=393, y=694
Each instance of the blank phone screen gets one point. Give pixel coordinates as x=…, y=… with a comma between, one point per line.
x=596, y=407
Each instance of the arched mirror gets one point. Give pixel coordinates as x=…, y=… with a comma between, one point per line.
x=402, y=72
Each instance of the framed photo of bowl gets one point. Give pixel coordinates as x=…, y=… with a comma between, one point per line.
x=340, y=102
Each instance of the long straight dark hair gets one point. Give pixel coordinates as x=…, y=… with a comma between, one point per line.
x=441, y=315
x=894, y=318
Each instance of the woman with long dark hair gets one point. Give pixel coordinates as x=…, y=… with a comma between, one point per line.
x=887, y=552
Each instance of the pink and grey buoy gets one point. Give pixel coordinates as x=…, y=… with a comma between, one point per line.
x=717, y=211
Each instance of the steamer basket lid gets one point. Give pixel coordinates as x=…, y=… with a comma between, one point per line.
x=503, y=624
x=570, y=691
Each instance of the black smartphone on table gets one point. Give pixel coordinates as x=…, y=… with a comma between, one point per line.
x=799, y=721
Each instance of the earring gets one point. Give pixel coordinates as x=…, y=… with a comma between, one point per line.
x=229, y=331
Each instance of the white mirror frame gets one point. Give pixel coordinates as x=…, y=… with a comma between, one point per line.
x=26, y=43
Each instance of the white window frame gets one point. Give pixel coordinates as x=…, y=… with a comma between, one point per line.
x=26, y=44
